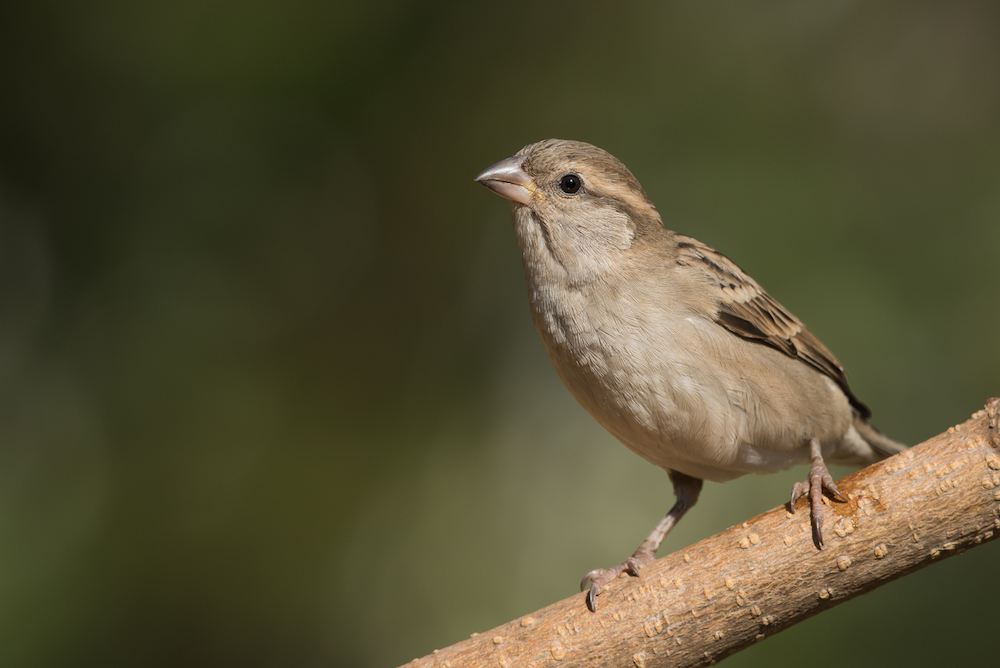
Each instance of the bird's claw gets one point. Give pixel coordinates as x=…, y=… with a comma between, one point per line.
x=819, y=481
x=602, y=576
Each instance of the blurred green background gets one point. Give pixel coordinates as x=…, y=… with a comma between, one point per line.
x=271, y=394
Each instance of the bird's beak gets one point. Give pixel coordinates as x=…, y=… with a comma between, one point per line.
x=507, y=179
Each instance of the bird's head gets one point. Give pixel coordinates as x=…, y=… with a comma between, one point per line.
x=573, y=202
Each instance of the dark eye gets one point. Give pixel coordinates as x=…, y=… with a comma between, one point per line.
x=570, y=184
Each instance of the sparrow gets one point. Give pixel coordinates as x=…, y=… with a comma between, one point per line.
x=669, y=345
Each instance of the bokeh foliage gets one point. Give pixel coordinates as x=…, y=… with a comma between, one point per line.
x=269, y=391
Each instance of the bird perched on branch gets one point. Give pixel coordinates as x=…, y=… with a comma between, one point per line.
x=668, y=344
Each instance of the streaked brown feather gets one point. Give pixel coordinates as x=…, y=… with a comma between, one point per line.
x=745, y=309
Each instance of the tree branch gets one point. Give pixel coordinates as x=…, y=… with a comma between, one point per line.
x=712, y=599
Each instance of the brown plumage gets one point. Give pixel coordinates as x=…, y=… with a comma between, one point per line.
x=668, y=344
x=745, y=309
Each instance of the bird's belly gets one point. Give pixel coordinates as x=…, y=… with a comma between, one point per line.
x=665, y=403
x=674, y=419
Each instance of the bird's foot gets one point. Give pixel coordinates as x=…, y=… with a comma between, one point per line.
x=819, y=480
x=686, y=488
x=602, y=576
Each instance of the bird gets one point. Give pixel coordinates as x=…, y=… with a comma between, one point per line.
x=669, y=345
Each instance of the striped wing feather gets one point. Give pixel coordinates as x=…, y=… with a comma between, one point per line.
x=745, y=309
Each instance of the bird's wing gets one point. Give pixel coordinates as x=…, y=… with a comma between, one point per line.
x=745, y=309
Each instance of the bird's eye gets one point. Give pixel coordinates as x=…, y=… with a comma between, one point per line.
x=570, y=184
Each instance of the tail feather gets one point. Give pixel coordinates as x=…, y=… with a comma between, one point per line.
x=882, y=445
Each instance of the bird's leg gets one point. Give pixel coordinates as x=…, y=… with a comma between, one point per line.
x=819, y=479
x=686, y=490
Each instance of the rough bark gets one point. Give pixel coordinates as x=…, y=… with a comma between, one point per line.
x=712, y=599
